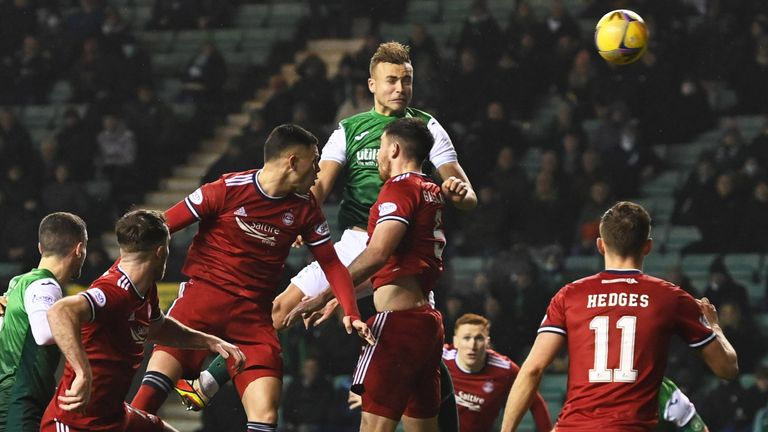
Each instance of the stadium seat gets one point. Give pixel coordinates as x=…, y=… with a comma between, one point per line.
x=156, y=41
x=422, y=11
x=697, y=265
x=455, y=11
x=287, y=14
x=342, y=382
x=589, y=264
x=681, y=236
x=255, y=38
x=228, y=40
x=8, y=269
x=552, y=383
x=251, y=15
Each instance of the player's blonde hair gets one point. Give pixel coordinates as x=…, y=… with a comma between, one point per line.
x=390, y=52
x=472, y=319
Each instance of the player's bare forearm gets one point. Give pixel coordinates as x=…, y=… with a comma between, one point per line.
x=453, y=169
x=169, y=332
x=719, y=354
x=65, y=318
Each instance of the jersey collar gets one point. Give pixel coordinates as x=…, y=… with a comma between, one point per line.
x=121, y=283
x=623, y=271
x=261, y=191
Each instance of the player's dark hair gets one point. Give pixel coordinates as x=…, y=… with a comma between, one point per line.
x=60, y=232
x=390, y=52
x=141, y=230
x=413, y=135
x=472, y=319
x=624, y=228
x=285, y=136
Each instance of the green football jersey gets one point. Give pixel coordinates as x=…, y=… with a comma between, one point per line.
x=676, y=412
x=355, y=145
x=26, y=369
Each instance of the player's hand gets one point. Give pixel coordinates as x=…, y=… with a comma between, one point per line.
x=299, y=242
x=226, y=349
x=455, y=189
x=355, y=401
x=362, y=329
x=709, y=311
x=77, y=396
x=304, y=309
x=3, y=304
x=318, y=317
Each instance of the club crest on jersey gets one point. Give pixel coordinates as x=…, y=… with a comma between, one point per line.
x=387, y=208
x=139, y=334
x=323, y=229
x=288, y=218
x=196, y=197
x=488, y=386
x=259, y=231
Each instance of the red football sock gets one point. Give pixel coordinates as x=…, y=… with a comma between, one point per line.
x=152, y=393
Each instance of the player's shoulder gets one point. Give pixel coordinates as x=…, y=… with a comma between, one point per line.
x=353, y=120
x=239, y=178
x=110, y=277
x=307, y=198
x=421, y=114
x=449, y=352
x=499, y=361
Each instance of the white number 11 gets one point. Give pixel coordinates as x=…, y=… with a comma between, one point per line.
x=625, y=372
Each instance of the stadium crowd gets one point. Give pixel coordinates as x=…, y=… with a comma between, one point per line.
x=115, y=140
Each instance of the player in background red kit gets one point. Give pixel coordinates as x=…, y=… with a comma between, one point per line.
x=247, y=223
x=618, y=325
x=482, y=377
x=102, y=332
x=399, y=376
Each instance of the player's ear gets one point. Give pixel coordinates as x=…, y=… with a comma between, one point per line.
x=647, y=247
x=292, y=161
x=371, y=85
x=40, y=248
x=600, y=246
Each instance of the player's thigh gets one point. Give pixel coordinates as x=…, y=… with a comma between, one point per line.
x=168, y=361
x=375, y=423
x=261, y=399
x=411, y=424
x=284, y=303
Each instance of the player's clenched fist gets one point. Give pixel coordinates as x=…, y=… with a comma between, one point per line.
x=226, y=349
x=455, y=189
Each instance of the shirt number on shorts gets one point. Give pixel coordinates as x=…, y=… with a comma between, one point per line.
x=625, y=372
x=439, y=234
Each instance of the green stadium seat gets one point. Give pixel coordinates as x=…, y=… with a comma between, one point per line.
x=680, y=236
x=747, y=380
x=552, y=383
x=456, y=11
x=755, y=290
x=39, y=116
x=169, y=63
x=589, y=264
x=287, y=14
x=156, y=41
x=259, y=38
x=697, y=265
x=251, y=15
x=761, y=319
x=140, y=15
x=8, y=269
x=744, y=262
x=422, y=11
x=61, y=92
x=228, y=40
x=664, y=184
x=396, y=32
x=657, y=264
x=189, y=41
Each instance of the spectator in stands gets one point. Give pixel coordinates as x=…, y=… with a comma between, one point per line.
x=724, y=407
x=308, y=399
x=20, y=225
x=33, y=73
x=676, y=275
x=559, y=24
x=694, y=114
x=156, y=129
x=752, y=78
x=344, y=84
x=85, y=22
x=730, y=152
x=487, y=136
x=95, y=262
x=743, y=334
x=15, y=143
x=212, y=14
x=722, y=288
x=545, y=218
x=362, y=58
x=63, y=194
x=758, y=148
x=18, y=18
x=607, y=136
x=588, y=222
x=483, y=227
x=423, y=48
x=114, y=31
x=569, y=153
x=117, y=158
x=314, y=90
x=565, y=123
x=94, y=75
x=172, y=15
x=717, y=215
x=205, y=75
x=522, y=20
x=481, y=34
x=633, y=161
x=509, y=180
x=74, y=140
x=754, y=227
x=697, y=188
x=454, y=308
x=550, y=165
x=580, y=79
x=466, y=87
x=359, y=101
x=756, y=396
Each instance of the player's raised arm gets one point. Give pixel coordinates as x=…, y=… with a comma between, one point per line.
x=65, y=318
x=205, y=200
x=544, y=350
x=719, y=355
x=460, y=194
x=326, y=178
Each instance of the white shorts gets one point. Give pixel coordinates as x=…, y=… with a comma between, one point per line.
x=312, y=281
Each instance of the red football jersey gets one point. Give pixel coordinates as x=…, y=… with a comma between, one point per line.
x=245, y=235
x=415, y=200
x=619, y=325
x=114, y=341
x=480, y=395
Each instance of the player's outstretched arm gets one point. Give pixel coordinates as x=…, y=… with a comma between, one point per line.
x=544, y=350
x=540, y=413
x=169, y=332
x=65, y=318
x=719, y=354
x=326, y=178
x=468, y=199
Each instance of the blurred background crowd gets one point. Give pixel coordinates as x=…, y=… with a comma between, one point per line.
x=100, y=100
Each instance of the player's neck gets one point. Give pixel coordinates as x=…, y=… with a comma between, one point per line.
x=403, y=168
x=613, y=262
x=475, y=368
x=140, y=272
x=272, y=182
x=383, y=110
x=58, y=266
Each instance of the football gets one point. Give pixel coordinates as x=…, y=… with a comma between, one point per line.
x=621, y=37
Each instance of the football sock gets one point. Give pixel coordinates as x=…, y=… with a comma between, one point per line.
x=261, y=427
x=214, y=377
x=153, y=392
x=447, y=417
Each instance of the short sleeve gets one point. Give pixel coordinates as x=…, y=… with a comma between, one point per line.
x=396, y=202
x=209, y=198
x=336, y=147
x=316, y=231
x=442, y=151
x=690, y=324
x=107, y=300
x=554, y=320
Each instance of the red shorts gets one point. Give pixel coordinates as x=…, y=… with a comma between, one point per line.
x=236, y=320
x=135, y=420
x=400, y=374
